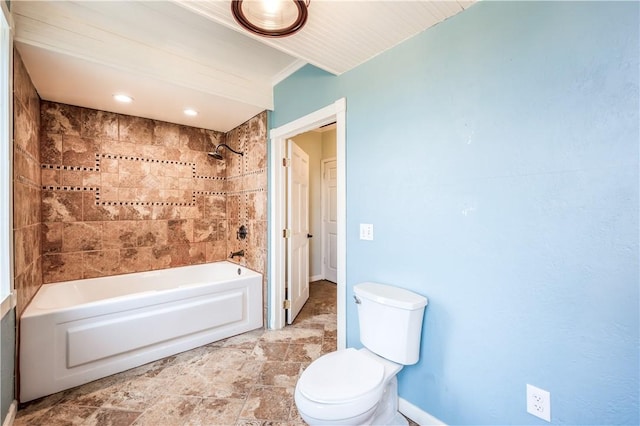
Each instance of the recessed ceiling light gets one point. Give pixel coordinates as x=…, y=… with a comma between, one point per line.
x=190, y=112
x=123, y=98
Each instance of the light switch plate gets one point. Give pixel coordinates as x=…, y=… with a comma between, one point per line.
x=366, y=231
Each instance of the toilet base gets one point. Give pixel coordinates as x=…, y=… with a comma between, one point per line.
x=399, y=420
x=362, y=419
x=387, y=410
x=384, y=413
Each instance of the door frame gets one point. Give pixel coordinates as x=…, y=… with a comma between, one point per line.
x=335, y=112
x=323, y=211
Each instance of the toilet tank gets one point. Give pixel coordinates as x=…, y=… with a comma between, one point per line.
x=390, y=321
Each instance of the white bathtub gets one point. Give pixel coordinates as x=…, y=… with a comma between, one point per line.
x=78, y=331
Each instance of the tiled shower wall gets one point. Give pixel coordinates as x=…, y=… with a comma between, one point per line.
x=26, y=186
x=127, y=194
x=247, y=191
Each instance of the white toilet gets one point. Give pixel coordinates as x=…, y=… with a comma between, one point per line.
x=359, y=386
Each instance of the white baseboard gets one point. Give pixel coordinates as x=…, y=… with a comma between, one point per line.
x=11, y=415
x=316, y=278
x=417, y=415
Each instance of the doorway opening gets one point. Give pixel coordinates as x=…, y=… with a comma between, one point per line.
x=311, y=185
x=278, y=232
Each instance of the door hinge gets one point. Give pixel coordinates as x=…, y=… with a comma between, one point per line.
x=286, y=304
x=286, y=233
x=286, y=162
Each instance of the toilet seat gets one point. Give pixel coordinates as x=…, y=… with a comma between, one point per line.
x=348, y=381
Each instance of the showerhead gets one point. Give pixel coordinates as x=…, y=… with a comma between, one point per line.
x=216, y=154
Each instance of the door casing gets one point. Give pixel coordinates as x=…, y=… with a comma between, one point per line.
x=335, y=112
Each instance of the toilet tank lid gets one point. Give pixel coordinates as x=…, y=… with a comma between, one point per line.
x=390, y=295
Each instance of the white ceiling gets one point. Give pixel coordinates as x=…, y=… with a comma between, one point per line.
x=172, y=55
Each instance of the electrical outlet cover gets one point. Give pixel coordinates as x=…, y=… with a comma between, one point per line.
x=539, y=402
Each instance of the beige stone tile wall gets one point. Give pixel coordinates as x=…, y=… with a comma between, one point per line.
x=126, y=194
x=247, y=191
x=26, y=186
x=97, y=193
x=247, y=195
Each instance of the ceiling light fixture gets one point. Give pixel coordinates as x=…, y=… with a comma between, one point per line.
x=271, y=18
x=190, y=112
x=125, y=99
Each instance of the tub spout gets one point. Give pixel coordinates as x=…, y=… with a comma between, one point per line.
x=236, y=253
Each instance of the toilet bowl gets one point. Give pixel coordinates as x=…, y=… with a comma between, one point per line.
x=346, y=387
x=359, y=386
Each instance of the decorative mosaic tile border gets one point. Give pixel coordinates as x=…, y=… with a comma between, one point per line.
x=245, y=191
x=210, y=177
x=209, y=193
x=131, y=203
x=255, y=172
x=122, y=203
x=129, y=158
x=144, y=203
x=71, y=188
x=72, y=168
x=148, y=203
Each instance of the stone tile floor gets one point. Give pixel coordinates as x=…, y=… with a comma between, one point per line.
x=243, y=380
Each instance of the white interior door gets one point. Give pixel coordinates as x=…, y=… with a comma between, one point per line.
x=298, y=225
x=330, y=221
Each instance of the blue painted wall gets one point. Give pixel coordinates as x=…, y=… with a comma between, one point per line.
x=7, y=362
x=497, y=157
